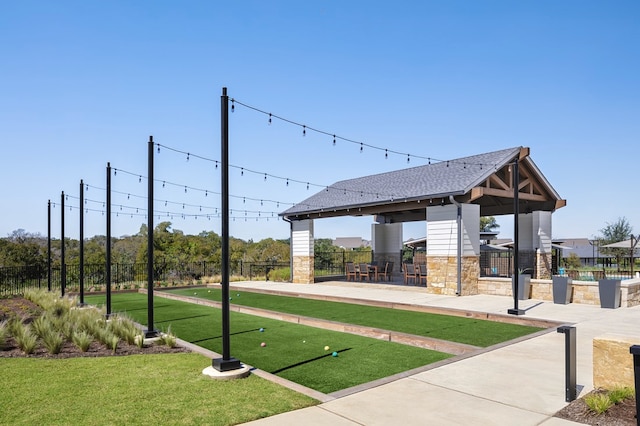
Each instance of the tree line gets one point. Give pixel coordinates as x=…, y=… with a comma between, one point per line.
x=22, y=248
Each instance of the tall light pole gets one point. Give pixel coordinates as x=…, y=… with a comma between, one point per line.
x=225, y=363
x=516, y=241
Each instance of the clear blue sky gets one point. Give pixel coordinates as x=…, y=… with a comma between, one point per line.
x=86, y=83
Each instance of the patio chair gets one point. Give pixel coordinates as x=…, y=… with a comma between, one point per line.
x=363, y=271
x=387, y=272
x=409, y=273
x=422, y=273
x=350, y=269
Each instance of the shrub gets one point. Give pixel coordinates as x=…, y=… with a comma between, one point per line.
x=598, y=402
x=25, y=338
x=82, y=340
x=4, y=334
x=41, y=326
x=619, y=394
x=53, y=341
x=139, y=341
x=168, y=338
x=123, y=327
x=113, y=343
x=14, y=325
x=280, y=274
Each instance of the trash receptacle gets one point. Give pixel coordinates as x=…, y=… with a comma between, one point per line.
x=609, y=293
x=561, y=289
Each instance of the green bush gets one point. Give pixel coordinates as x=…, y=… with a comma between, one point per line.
x=599, y=402
x=123, y=327
x=53, y=341
x=41, y=326
x=619, y=394
x=4, y=334
x=25, y=338
x=82, y=340
x=280, y=274
x=168, y=338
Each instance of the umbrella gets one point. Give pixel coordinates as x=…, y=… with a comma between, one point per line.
x=631, y=244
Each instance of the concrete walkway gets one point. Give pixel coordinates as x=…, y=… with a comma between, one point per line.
x=521, y=384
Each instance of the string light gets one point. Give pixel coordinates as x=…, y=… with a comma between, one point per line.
x=306, y=127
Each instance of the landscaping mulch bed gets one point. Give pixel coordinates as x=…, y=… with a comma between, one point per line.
x=622, y=414
x=23, y=308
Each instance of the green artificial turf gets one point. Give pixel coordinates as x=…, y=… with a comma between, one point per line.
x=134, y=390
x=470, y=331
x=292, y=351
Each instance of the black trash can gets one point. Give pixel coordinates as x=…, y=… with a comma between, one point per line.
x=561, y=289
x=609, y=293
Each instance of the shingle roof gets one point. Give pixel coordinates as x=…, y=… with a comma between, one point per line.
x=453, y=177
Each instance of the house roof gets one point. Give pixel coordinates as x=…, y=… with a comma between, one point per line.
x=403, y=195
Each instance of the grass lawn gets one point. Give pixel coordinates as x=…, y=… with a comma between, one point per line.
x=470, y=331
x=134, y=390
x=292, y=351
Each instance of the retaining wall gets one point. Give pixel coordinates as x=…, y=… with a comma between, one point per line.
x=582, y=291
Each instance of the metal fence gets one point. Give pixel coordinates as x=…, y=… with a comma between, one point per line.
x=16, y=279
x=328, y=264
x=499, y=263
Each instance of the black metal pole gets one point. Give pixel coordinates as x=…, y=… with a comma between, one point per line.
x=108, y=242
x=226, y=363
x=49, y=245
x=151, y=332
x=635, y=351
x=516, y=244
x=571, y=390
x=63, y=272
x=81, y=242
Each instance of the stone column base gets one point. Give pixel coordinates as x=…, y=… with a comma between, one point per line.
x=442, y=275
x=303, y=270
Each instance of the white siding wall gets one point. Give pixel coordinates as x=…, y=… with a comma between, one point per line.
x=302, y=238
x=442, y=230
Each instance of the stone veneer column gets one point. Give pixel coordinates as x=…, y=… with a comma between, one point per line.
x=442, y=249
x=302, y=251
x=387, y=243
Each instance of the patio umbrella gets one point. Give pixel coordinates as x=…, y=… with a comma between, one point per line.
x=631, y=244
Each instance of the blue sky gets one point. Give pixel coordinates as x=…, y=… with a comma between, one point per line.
x=86, y=83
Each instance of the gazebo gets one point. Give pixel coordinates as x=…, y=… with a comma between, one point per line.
x=450, y=196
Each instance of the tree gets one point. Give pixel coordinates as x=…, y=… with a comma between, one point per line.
x=22, y=248
x=488, y=224
x=612, y=233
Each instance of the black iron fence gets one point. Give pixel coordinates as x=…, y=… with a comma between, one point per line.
x=499, y=263
x=329, y=264
x=16, y=279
